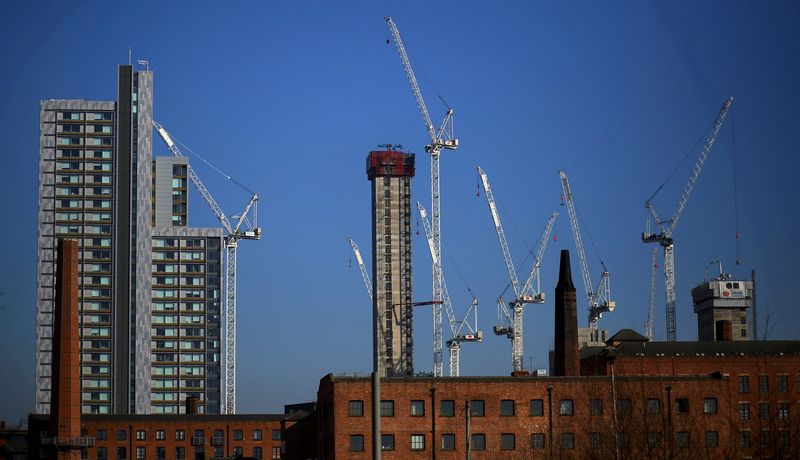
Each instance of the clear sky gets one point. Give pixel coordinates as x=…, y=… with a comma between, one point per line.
x=289, y=97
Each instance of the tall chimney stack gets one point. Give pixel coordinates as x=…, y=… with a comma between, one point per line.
x=566, y=361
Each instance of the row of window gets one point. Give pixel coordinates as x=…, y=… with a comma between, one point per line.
x=566, y=407
x=77, y=116
x=763, y=383
x=180, y=453
x=180, y=435
x=763, y=411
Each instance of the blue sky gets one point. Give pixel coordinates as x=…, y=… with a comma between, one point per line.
x=290, y=97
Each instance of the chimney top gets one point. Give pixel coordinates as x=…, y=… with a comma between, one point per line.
x=565, y=272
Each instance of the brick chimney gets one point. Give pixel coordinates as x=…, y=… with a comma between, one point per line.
x=566, y=361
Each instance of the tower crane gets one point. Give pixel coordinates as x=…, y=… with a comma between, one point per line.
x=361, y=267
x=600, y=297
x=242, y=228
x=461, y=331
x=530, y=292
x=441, y=138
x=664, y=238
x=651, y=312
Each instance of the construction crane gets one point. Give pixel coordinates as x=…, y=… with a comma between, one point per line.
x=530, y=292
x=361, y=267
x=651, y=311
x=441, y=138
x=242, y=228
x=600, y=297
x=664, y=238
x=461, y=331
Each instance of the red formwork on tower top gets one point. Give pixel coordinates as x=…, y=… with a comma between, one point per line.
x=390, y=163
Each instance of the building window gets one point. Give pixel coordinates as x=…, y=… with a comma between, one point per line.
x=537, y=441
x=594, y=440
x=654, y=439
x=141, y=453
x=712, y=439
x=356, y=443
x=682, y=405
x=744, y=411
x=141, y=435
x=102, y=453
x=624, y=407
x=783, y=411
x=161, y=435
x=180, y=435
x=477, y=408
x=507, y=408
x=595, y=407
x=180, y=453
x=355, y=408
x=238, y=435
x=783, y=439
x=765, y=438
x=417, y=442
x=387, y=442
x=763, y=383
x=763, y=411
x=387, y=408
x=417, y=408
x=276, y=453
x=258, y=452
x=101, y=435
x=508, y=441
x=783, y=383
x=200, y=453
x=258, y=435
x=448, y=441
x=121, y=453
x=447, y=408
x=567, y=440
x=238, y=452
x=276, y=435
x=565, y=407
x=653, y=406
x=218, y=438
x=477, y=441
x=744, y=384
x=710, y=406
x=537, y=408
x=744, y=439
x=682, y=439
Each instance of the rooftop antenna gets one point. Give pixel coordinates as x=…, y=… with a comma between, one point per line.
x=129, y=55
x=146, y=64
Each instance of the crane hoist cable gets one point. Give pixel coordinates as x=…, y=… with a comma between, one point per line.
x=735, y=188
x=212, y=166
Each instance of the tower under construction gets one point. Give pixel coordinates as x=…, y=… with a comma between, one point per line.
x=390, y=172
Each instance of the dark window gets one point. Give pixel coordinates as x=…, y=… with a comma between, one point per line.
x=417, y=442
x=783, y=411
x=783, y=383
x=625, y=439
x=218, y=438
x=101, y=434
x=200, y=453
x=565, y=407
x=712, y=439
x=276, y=435
x=477, y=441
x=567, y=440
x=180, y=453
x=447, y=408
x=744, y=439
x=238, y=435
x=594, y=439
x=710, y=406
x=537, y=441
x=448, y=442
x=121, y=453
x=763, y=383
x=258, y=435
x=258, y=452
x=102, y=453
x=355, y=408
x=238, y=452
x=744, y=384
x=387, y=442
x=783, y=439
x=682, y=439
x=653, y=406
x=682, y=405
x=537, y=407
x=356, y=443
x=763, y=411
x=121, y=435
x=654, y=439
x=417, y=408
x=161, y=453
x=765, y=437
x=624, y=407
x=476, y=408
x=507, y=441
x=595, y=407
x=744, y=411
x=507, y=407
x=387, y=408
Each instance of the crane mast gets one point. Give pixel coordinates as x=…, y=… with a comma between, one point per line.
x=456, y=328
x=651, y=311
x=441, y=138
x=600, y=298
x=234, y=233
x=664, y=238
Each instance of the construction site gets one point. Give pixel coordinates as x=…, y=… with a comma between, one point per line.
x=136, y=309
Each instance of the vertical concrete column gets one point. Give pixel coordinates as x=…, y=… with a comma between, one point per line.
x=566, y=361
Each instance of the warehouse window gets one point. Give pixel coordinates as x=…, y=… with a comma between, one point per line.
x=712, y=439
x=567, y=440
x=387, y=408
x=653, y=406
x=476, y=408
x=783, y=383
x=654, y=439
x=763, y=411
x=477, y=441
x=763, y=383
x=565, y=407
x=744, y=384
x=537, y=408
x=744, y=411
x=448, y=441
x=682, y=405
x=507, y=407
x=595, y=407
x=447, y=408
x=417, y=442
x=417, y=408
x=710, y=406
x=537, y=441
x=387, y=442
x=624, y=407
x=356, y=443
x=355, y=408
x=276, y=435
x=682, y=439
x=744, y=439
x=238, y=435
x=507, y=441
